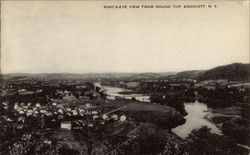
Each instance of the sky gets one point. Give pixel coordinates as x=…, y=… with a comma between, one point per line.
x=83, y=37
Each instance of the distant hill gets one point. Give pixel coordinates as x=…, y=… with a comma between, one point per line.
x=145, y=76
x=235, y=71
x=88, y=76
x=69, y=76
x=192, y=74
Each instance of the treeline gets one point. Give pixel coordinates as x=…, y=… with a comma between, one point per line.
x=175, y=95
x=236, y=71
x=44, y=92
x=223, y=96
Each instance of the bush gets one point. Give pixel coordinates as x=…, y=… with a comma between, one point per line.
x=204, y=142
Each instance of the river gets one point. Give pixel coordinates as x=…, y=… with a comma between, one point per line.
x=194, y=120
x=112, y=92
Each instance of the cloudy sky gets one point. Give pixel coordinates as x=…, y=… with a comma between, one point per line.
x=80, y=37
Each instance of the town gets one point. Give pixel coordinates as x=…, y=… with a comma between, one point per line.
x=137, y=114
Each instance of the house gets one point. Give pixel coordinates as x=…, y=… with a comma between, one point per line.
x=66, y=125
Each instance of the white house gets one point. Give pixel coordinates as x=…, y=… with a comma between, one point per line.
x=66, y=125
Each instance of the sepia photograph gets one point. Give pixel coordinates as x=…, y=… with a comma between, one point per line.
x=124, y=77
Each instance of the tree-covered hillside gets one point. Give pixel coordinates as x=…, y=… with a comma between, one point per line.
x=236, y=71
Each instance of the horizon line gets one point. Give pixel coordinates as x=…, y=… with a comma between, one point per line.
x=119, y=72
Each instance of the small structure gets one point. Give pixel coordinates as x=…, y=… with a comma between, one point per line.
x=66, y=125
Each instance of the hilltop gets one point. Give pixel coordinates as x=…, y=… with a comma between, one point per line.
x=235, y=71
x=145, y=76
x=192, y=74
x=87, y=76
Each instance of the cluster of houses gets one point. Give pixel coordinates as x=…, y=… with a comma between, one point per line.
x=55, y=115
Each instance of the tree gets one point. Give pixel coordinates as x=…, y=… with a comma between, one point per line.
x=203, y=142
x=92, y=131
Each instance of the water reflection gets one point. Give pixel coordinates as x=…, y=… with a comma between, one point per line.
x=112, y=92
x=195, y=119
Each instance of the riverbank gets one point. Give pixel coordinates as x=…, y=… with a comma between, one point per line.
x=163, y=116
x=195, y=120
x=198, y=114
